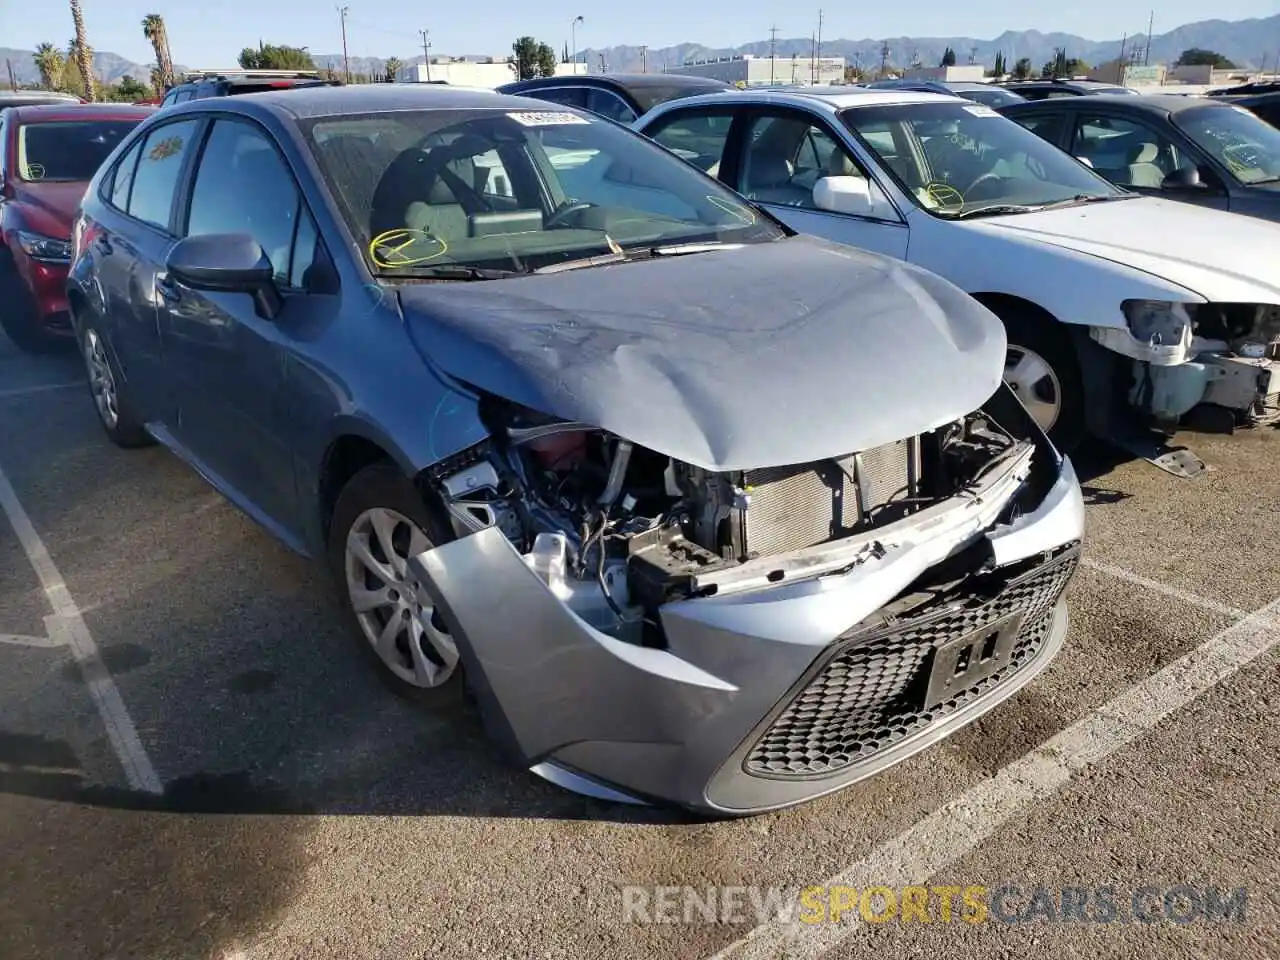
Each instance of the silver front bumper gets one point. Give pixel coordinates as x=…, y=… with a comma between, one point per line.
x=680, y=724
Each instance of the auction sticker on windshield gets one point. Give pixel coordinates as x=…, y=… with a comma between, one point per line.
x=548, y=119
x=980, y=110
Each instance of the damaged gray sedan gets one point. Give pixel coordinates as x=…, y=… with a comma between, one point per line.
x=702, y=512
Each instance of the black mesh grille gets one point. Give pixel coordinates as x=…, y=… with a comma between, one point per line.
x=870, y=693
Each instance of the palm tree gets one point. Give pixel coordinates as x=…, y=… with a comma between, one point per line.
x=153, y=29
x=48, y=59
x=84, y=56
x=392, y=68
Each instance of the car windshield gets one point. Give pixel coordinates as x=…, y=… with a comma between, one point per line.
x=960, y=159
x=66, y=150
x=650, y=95
x=991, y=96
x=422, y=191
x=1246, y=145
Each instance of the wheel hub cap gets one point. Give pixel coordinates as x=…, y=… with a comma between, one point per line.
x=394, y=615
x=1035, y=383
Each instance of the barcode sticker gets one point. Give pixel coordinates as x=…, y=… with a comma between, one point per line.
x=546, y=119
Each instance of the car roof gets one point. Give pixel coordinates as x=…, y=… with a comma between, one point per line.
x=834, y=97
x=303, y=103
x=74, y=110
x=37, y=95
x=1151, y=103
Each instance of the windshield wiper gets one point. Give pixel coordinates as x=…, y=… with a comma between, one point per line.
x=582, y=263
x=701, y=246
x=453, y=271
x=1081, y=198
x=995, y=210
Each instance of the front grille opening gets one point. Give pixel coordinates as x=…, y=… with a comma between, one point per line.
x=870, y=693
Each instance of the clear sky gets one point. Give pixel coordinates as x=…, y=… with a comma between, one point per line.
x=210, y=33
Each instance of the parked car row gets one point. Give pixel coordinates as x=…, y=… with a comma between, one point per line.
x=723, y=465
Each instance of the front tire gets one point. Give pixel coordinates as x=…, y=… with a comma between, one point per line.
x=110, y=394
x=378, y=523
x=1042, y=370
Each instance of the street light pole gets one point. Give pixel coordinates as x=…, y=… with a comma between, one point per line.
x=426, y=51
x=346, y=61
x=573, y=40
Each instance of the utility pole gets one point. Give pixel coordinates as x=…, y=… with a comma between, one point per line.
x=773, y=43
x=1146, y=56
x=644, y=58
x=817, y=49
x=346, y=61
x=1123, y=66
x=603, y=68
x=8, y=65
x=884, y=58
x=426, y=50
x=813, y=58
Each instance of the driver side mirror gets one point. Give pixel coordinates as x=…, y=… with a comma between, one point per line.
x=227, y=263
x=851, y=195
x=1184, y=178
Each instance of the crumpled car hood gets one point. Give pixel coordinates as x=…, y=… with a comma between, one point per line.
x=772, y=354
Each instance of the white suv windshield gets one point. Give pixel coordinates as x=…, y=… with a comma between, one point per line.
x=516, y=190
x=1236, y=138
x=957, y=159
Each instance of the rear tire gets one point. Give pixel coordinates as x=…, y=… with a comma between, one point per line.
x=378, y=522
x=1043, y=371
x=110, y=392
x=19, y=315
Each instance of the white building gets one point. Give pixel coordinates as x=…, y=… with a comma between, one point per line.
x=480, y=72
x=957, y=73
x=750, y=71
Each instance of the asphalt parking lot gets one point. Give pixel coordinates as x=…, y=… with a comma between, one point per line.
x=194, y=762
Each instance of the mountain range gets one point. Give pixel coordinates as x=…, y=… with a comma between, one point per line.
x=1248, y=43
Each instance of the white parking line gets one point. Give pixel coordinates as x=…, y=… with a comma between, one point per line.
x=38, y=388
x=66, y=625
x=1168, y=590
x=960, y=826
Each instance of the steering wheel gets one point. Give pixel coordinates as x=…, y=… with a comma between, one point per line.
x=561, y=213
x=983, y=178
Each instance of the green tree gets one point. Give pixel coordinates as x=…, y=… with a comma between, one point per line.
x=271, y=56
x=127, y=90
x=546, y=60
x=1197, y=57
x=83, y=53
x=154, y=30
x=49, y=62
x=948, y=58
x=998, y=68
x=564, y=58
x=392, y=68
x=526, y=58
x=1063, y=66
x=1022, y=68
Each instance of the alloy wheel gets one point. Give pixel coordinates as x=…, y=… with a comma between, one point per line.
x=394, y=614
x=101, y=380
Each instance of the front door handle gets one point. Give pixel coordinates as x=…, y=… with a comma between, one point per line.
x=167, y=289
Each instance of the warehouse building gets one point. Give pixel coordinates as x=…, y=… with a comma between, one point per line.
x=472, y=71
x=749, y=71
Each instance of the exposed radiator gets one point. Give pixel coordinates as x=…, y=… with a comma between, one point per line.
x=799, y=506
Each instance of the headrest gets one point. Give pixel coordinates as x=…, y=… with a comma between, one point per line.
x=839, y=165
x=1144, y=153
x=770, y=170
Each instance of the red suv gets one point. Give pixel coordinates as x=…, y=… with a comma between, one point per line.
x=48, y=154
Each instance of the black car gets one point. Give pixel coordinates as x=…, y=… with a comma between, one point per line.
x=623, y=97
x=1246, y=89
x=227, y=83
x=987, y=93
x=1193, y=149
x=1265, y=105
x=1053, y=89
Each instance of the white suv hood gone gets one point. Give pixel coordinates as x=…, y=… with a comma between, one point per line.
x=773, y=354
x=1222, y=257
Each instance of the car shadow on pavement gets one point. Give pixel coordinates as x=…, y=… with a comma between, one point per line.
x=101, y=872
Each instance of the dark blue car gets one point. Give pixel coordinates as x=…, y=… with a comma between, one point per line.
x=567, y=416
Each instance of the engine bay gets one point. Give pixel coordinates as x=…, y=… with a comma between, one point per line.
x=617, y=530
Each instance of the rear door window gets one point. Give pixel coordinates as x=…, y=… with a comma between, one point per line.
x=609, y=104
x=122, y=178
x=159, y=166
x=568, y=96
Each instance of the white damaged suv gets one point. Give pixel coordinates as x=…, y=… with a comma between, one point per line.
x=1122, y=311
